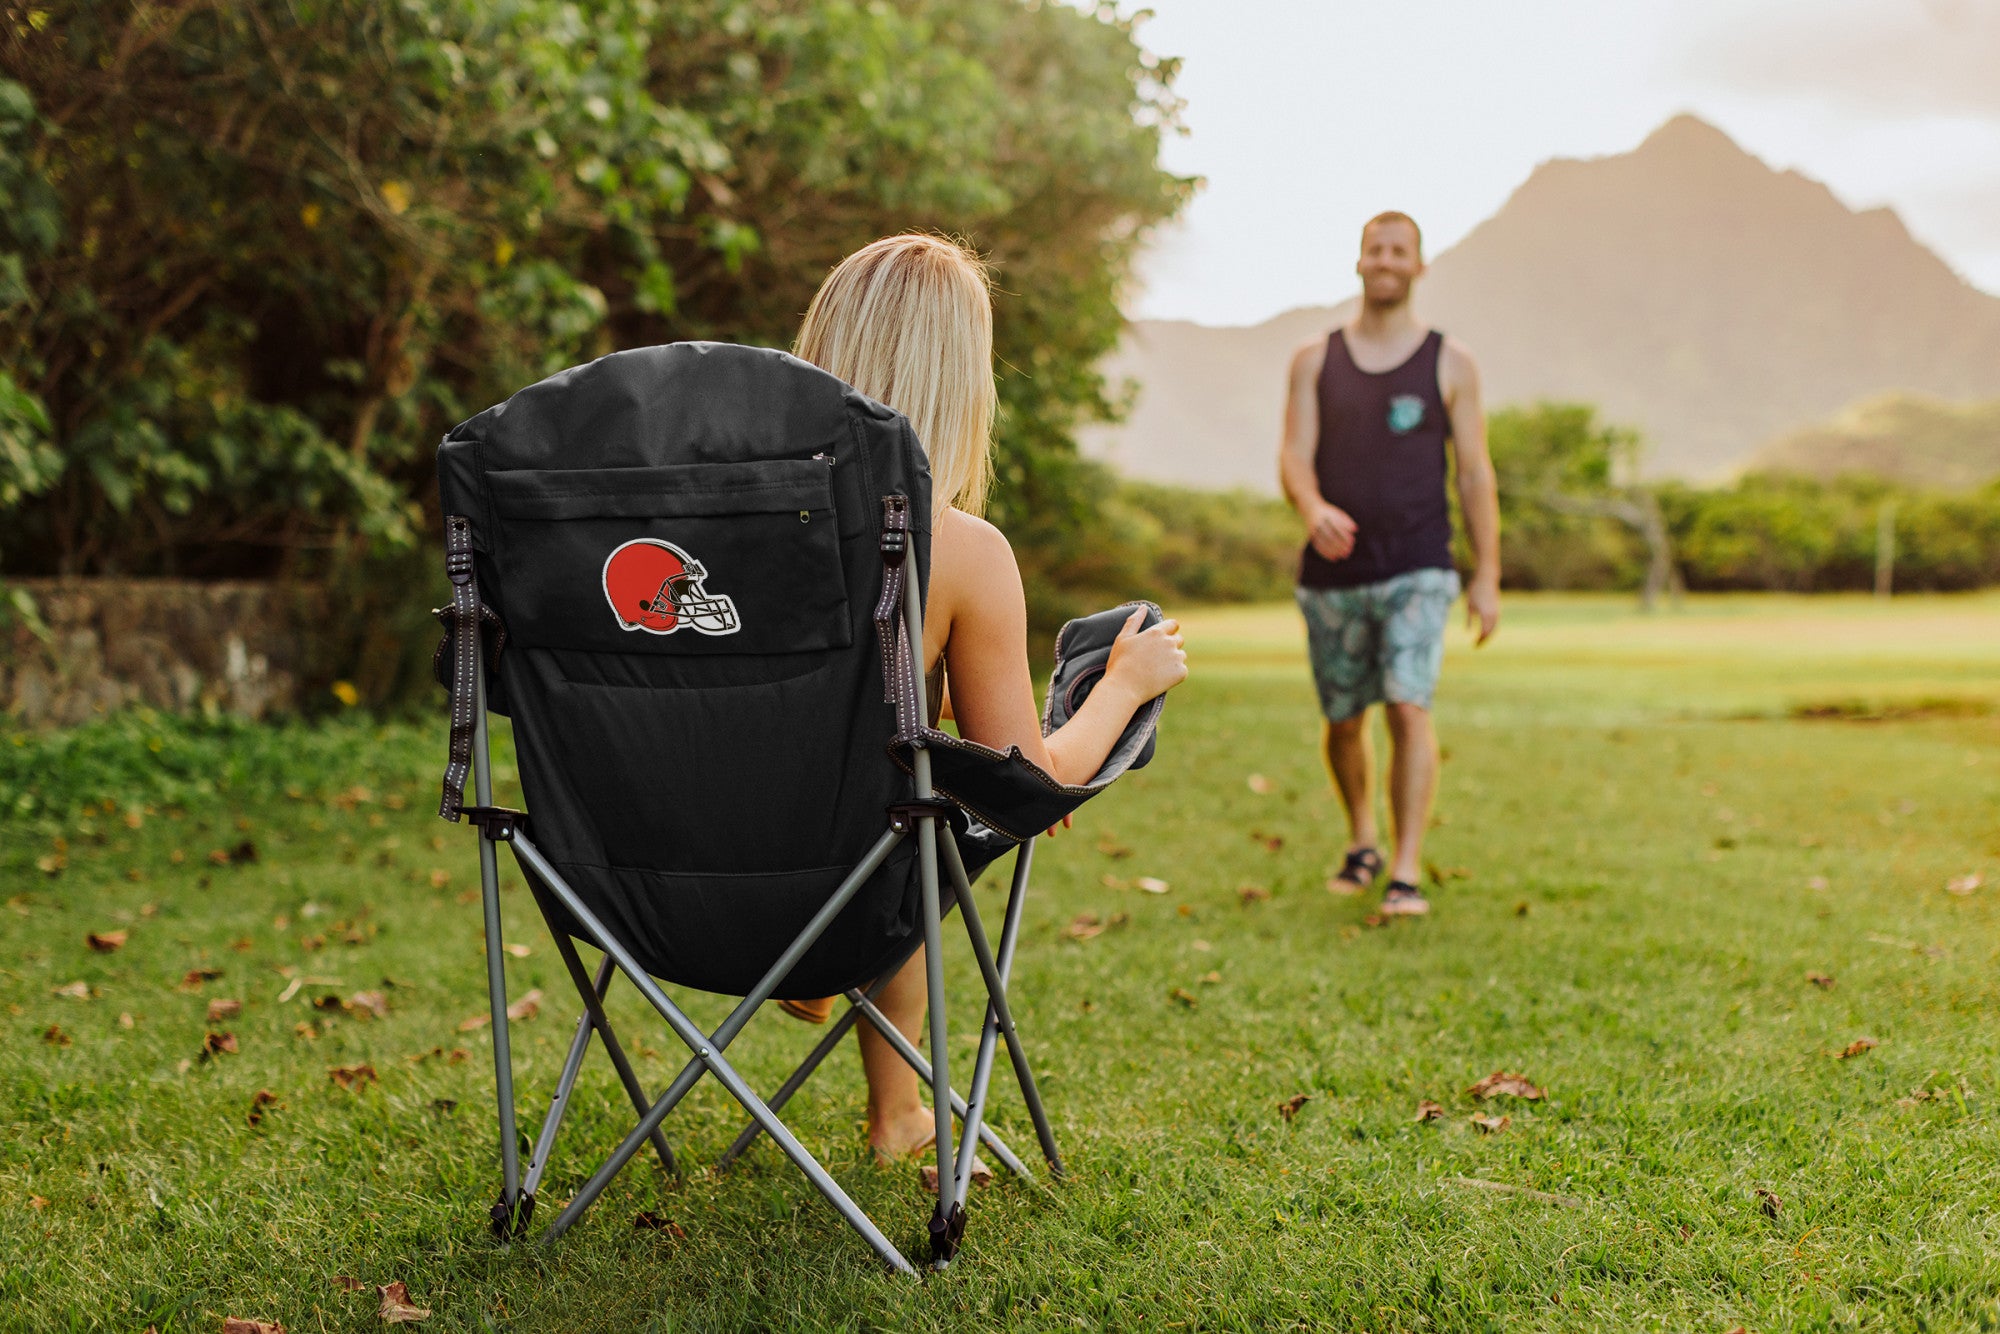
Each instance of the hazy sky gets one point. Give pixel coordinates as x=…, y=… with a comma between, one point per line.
x=1307, y=116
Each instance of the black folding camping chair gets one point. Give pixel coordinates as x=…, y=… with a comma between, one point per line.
x=694, y=576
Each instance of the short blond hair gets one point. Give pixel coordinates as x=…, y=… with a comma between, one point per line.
x=1392, y=215
x=908, y=320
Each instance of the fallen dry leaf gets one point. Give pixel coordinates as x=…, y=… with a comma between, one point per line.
x=1184, y=996
x=306, y=1029
x=107, y=942
x=1444, y=875
x=352, y=1076
x=262, y=1099
x=1210, y=978
x=221, y=1008
x=1110, y=881
x=1964, y=884
x=1491, y=1125
x=648, y=1221
x=1084, y=926
x=78, y=990
x=1856, y=1047
x=1824, y=981
x=243, y=945
x=982, y=1175
x=440, y=877
x=518, y=951
x=1429, y=1111
x=51, y=863
x=526, y=1008
x=54, y=1036
x=1112, y=848
x=369, y=1002
x=1261, y=785
x=1151, y=884
x=1505, y=1083
x=1271, y=842
x=238, y=1325
x=38, y=1201
x=396, y=1308
x=127, y=1021
x=1769, y=1203
x=476, y=1022
x=1289, y=1108
x=1374, y=919
x=1521, y=908
x=347, y=1284
x=194, y=977
x=216, y=1044
x=1247, y=894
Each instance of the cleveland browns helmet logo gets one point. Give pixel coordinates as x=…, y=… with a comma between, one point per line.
x=656, y=587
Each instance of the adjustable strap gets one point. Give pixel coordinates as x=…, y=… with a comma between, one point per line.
x=899, y=682
x=464, y=623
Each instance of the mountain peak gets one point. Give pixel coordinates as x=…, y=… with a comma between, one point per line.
x=1687, y=133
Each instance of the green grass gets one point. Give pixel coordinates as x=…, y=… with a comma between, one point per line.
x=1645, y=853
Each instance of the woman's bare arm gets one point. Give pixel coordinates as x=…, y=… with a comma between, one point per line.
x=978, y=619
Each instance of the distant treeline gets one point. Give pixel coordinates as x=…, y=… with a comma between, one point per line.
x=1568, y=524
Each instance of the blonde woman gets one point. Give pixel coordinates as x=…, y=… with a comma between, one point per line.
x=909, y=322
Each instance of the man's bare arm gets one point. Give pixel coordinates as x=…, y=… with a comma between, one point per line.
x=1328, y=527
x=1478, y=495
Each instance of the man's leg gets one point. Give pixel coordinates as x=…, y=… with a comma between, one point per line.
x=1412, y=652
x=1350, y=759
x=1413, y=775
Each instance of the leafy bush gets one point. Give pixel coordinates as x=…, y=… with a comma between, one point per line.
x=255, y=259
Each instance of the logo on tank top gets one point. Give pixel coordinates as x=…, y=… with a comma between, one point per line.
x=1406, y=413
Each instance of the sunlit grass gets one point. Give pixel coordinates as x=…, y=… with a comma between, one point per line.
x=1643, y=855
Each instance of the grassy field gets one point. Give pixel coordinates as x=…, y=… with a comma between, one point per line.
x=1651, y=831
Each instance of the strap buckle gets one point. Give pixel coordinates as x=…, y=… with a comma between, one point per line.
x=895, y=529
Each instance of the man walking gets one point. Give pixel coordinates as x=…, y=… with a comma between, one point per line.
x=1368, y=415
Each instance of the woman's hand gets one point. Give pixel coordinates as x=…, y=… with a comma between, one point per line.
x=1145, y=663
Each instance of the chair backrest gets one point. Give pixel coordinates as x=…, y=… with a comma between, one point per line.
x=683, y=544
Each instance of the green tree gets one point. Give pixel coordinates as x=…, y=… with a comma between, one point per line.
x=288, y=244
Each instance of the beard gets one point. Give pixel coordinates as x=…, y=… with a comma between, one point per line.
x=1386, y=289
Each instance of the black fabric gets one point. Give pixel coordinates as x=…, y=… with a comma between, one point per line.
x=1083, y=650
x=702, y=789
x=1381, y=458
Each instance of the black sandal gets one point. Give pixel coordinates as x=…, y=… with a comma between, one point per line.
x=1403, y=899
x=1357, y=872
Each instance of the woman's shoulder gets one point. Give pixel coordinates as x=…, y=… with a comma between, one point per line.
x=968, y=539
x=972, y=563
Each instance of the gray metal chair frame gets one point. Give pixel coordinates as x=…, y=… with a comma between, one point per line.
x=922, y=818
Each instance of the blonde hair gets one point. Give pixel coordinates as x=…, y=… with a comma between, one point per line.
x=908, y=320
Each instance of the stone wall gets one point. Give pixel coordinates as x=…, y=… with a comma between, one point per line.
x=168, y=643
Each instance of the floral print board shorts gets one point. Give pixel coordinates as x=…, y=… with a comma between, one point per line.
x=1374, y=642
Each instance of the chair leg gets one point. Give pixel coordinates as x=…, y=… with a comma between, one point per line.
x=593, y=995
x=708, y=1048
x=508, y=1217
x=947, y=1222
x=989, y=1030
x=996, y=994
x=545, y=1140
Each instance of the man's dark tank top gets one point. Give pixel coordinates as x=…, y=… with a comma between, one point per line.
x=1381, y=457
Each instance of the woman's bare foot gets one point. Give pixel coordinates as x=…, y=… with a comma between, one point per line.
x=897, y=1136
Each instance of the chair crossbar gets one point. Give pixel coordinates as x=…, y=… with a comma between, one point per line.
x=707, y=1048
